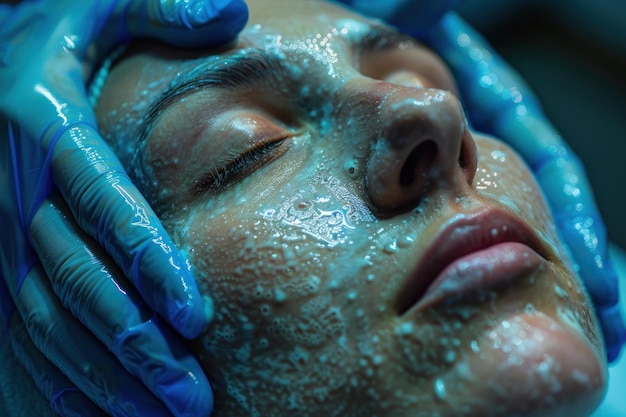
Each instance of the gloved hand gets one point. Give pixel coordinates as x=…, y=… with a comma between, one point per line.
x=109, y=349
x=499, y=102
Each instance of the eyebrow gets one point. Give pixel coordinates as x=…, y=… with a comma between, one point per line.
x=241, y=70
x=227, y=73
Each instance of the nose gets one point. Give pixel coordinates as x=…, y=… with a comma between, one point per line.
x=422, y=145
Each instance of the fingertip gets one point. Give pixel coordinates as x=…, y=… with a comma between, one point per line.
x=221, y=19
x=154, y=354
x=235, y=12
x=200, y=12
x=199, y=23
x=188, y=317
x=189, y=395
x=165, y=281
x=191, y=314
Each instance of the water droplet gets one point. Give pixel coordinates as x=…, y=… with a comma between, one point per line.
x=406, y=241
x=269, y=213
x=391, y=247
x=279, y=295
x=405, y=328
x=440, y=389
x=474, y=346
x=498, y=155
x=560, y=292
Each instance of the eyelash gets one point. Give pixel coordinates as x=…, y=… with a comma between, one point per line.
x=218, y=177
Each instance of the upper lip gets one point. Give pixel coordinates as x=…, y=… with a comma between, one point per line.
x=460, y=236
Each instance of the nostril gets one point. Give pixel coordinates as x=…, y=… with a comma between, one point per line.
x=419, y=162
x=467, y=156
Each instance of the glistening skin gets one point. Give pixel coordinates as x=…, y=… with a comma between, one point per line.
x=367, y=253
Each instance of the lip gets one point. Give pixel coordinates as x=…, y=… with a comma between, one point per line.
x=487, y=249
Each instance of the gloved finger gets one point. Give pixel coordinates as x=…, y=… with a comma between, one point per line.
x=130, y=340
x=410, y=16
x=16, y=255
x=65, y=399
x=184, y=23
x=81, y=357
x=91, y=286
x=500, y=103
x=563, y=179
x=103, y=199
x=108, y=206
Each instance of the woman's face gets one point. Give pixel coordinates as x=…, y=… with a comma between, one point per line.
x=366, y=253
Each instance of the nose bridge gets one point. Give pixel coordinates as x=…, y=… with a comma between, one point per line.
x=419, y=143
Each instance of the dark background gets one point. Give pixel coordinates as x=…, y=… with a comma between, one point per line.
x=573, y=55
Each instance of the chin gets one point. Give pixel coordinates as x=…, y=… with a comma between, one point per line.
x=520, y=349
x=527, y=364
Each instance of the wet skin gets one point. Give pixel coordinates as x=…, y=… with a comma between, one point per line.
x=308, y=188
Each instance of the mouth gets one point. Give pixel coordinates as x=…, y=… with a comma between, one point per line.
x=472, y=253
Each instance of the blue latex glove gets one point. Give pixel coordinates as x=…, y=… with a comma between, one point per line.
x=88, y=335
x=498, y=102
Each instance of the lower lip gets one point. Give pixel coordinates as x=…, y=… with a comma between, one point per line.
x=495, y=266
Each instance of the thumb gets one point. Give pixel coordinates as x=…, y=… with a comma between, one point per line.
x=188, y=24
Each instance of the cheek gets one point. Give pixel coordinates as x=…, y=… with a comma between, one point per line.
x=269, y=268
x=294, y=269
x=502, y=176
x=532, y=365
x=249, y=263
x=291, y=253
x=267, y=257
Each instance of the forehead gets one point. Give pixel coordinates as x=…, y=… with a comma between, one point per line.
x=295, y=27
x=299, y=25
x=298, y=17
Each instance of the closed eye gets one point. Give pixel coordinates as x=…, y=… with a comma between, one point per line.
x=240, y=166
